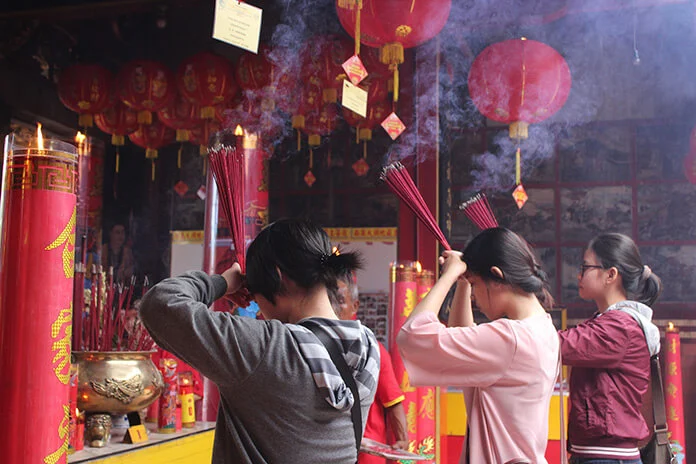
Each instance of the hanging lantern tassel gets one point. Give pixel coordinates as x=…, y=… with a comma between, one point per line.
x=352, y=5
x=357, y=27
x=118, y=160
x=178, y=156
x=298, y=122
x=392, y=54
x=151, y=155
x=365, y=136
x=518, y=166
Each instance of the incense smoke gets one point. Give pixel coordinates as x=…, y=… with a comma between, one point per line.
x=601, y=44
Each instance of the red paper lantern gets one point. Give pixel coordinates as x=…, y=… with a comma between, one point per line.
x=207, y=80
x=85, y=89
x=118, y=121
x=180, y=115
x=283, y=89
x=152, y=137
x=394, y=25
x=519, y=82
x=201, y=133
x=146, y=86
x=321, y=123
x=254, y=72
x=324, y=57
x=303, y=103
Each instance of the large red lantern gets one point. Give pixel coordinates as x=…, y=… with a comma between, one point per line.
x=152, y=137
x=519, y=82
x=146, y=86
x=85, y=89
x=118, y=121
x=207, y=80
x=393, y=25
x=180, y=115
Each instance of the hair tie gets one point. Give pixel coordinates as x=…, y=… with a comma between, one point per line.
x=647, y=272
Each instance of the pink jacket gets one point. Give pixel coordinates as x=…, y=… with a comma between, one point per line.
x=507, y=369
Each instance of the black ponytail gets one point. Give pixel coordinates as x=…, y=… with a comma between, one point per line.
x=302, y=252
x=621, y=252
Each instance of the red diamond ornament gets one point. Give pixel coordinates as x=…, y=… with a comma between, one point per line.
x=309, y=178
x=181, y=188
x=355, y=69
x=520, y=196
x=361, y=167
x=393, y=125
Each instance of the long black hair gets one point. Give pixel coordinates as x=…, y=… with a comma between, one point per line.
x=302, y=252
x=508, y=251
x=621, y=252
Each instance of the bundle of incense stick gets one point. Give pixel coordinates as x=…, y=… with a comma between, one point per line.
x=106, y=327
x=400, y=182
x=227, y=164
x=479, y=211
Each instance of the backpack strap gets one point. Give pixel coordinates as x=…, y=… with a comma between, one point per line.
x=336, y=355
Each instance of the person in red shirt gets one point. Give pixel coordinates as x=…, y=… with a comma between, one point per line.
x=388, y=406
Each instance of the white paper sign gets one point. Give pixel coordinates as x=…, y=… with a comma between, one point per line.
x=237, y=23
x=354, y=98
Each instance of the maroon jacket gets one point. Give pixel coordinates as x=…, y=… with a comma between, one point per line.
x=610, y=373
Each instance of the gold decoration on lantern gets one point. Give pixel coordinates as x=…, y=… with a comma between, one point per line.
x=403, y=31
x=392, y=54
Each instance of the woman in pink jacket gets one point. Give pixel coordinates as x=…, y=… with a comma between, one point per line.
x=507, y=368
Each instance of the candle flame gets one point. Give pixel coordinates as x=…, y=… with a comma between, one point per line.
x=418, y=266
x=238, y=130
x=523, y=38
x=39, y=136
x=80, y=138
x=670, y=326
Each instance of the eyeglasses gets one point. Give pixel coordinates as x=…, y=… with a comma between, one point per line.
x=585, y=267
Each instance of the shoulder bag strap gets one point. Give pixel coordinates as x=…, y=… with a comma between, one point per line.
x=332, y=347
x=658, y=401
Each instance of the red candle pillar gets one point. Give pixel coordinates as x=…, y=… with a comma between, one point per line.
x=425, y=395
x=402, y=300
x=674, y=401
x=36, y=272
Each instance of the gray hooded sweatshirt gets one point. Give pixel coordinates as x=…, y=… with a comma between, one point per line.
x=643, y=316
x=281, y=398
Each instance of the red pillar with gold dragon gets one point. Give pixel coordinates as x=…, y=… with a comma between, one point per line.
x=402, y=301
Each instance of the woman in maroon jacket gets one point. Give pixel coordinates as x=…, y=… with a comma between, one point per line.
x=610, y=353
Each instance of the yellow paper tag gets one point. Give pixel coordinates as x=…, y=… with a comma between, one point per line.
x=136, y=434
x=354, y=98
x=237, y=23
